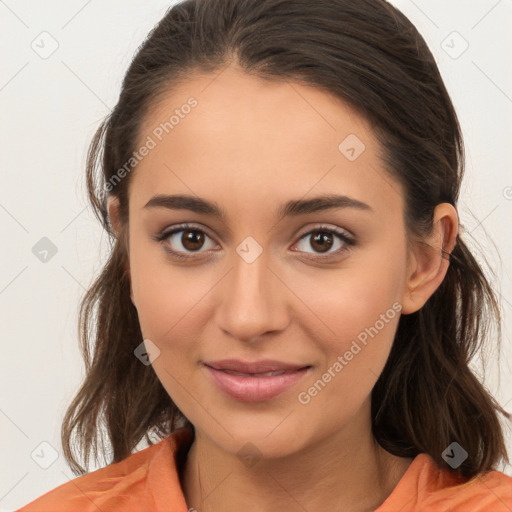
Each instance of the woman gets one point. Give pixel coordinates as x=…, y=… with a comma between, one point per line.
x=289, y=305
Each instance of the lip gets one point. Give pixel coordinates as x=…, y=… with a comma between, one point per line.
x=261, y=366
x=244, y=380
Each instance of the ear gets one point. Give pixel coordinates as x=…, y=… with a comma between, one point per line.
x=114, y=215
x=429, y=259
x=115, y=221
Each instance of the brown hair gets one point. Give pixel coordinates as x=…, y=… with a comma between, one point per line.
x=369, y=55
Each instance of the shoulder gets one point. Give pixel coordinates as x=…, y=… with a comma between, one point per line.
x=146, y=480
x=426, y=487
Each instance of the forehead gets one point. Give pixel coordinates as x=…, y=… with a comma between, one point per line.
x=243, y=140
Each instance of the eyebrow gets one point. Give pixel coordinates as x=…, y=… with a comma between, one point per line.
x=291, y=208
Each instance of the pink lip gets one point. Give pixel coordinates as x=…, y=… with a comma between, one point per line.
x=262, y=366
x=246, y=385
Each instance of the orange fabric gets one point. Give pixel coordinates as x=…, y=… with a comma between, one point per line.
x=427, y=488
x=148, y=481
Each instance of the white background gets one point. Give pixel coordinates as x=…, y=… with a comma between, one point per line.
x=49, y=111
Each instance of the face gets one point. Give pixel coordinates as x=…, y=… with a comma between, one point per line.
x=316, y=288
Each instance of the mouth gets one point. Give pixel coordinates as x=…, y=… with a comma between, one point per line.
x=255, y=381
x=266, y=374
x=254, y=367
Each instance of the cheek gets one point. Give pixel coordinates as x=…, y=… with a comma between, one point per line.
x=353, y=358
x=359, y=308
x=171, y=313
x=348, y=301
x=167, y=297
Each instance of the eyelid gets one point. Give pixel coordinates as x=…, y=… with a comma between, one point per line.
x=344, y=233
x=166, y=232
x=345, y=236
x=183, y=255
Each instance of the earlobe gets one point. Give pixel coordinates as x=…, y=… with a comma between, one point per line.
x=429, y=259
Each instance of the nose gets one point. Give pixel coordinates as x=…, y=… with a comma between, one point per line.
x=253, y=300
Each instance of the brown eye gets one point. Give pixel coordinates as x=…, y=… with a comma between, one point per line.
x=192, y=240
x=182, y=242
x=322, y=241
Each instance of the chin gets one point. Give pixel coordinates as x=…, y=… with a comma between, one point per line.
x=254, y=439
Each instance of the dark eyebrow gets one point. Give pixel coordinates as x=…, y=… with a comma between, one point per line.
x=183, y=202
x=317, y=204
x=291, y=208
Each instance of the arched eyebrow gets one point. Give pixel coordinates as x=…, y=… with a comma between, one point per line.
x=320, y=203
x=291, y=208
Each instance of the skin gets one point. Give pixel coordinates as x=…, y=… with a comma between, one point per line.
x=251, y=145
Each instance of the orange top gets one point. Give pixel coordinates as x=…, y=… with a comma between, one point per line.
x=147, y=481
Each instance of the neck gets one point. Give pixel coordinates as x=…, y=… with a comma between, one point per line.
x=345, y=470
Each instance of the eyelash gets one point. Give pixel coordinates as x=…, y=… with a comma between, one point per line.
x=345, y=239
